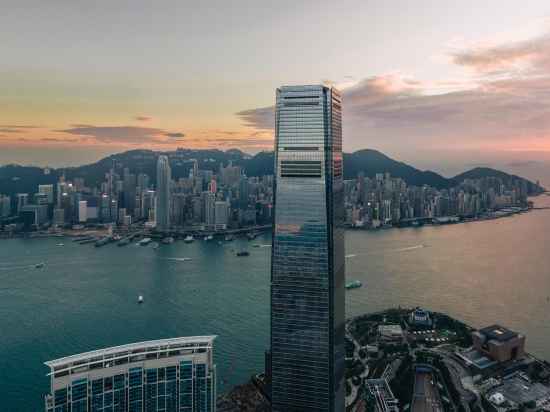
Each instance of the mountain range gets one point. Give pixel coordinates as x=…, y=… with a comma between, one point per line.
x=25, y=179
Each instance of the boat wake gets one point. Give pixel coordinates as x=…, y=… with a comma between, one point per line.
x=184, y=259
x=405, y=249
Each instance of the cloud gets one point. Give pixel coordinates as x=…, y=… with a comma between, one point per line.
x=56, y=140
x=174, y=135
x=143, y=118
x=7, y=130
x=261, y=118
x=529, y=54
x=132, y=135
x=11, y=126
x=394, y=113
x=524, y=163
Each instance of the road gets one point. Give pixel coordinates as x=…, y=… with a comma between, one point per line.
x=426, y=396
x=355, y=389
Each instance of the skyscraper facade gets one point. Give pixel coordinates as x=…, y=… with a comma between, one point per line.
x=168, y=375
x=164, y=176
x=307, y=273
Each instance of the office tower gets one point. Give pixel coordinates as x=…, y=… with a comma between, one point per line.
x=221, y=214
x=5, y=206
x=82, y=211
x=142, y=182
x=129, y=185
x=307, y=272
x=33, y=216
x=209, y=211
x=164, y=176
x=22, y=200
x=244, y=192
x=213, y=186
x=48, y=191
x=147, y=203
x=59, y=217
x=169, y=375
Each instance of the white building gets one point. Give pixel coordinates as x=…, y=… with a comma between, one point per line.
x=82, y=211
x=221, y=214
x=172, y=374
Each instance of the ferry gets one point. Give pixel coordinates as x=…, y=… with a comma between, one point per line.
x=124, y=242
x=243, y=253
x=90, y=240
x=103, y=241
x=145, y=241
x=353, y=285
x=189, y=239
x=167, y=240
x=82, y=239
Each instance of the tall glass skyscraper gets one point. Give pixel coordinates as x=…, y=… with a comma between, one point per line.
x=168, y=375
x=307, y=272
x=164, y=176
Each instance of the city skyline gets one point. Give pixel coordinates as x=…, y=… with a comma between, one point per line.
x=462, y=87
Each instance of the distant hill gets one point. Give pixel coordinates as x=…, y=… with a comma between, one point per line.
x=24, y=179
x=481, y=172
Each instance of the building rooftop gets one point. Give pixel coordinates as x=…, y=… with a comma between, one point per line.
x=520, y=390
x=498, y=333
x=142, y=348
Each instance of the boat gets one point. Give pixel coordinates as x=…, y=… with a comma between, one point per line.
x=90, y=240
x=229, y=238
x=184, y=259
x=353, y=285
x=251, y=236
x=124, y=242
x=145, y=241
x=243, y=253
x=167, y=240
x=156, y=245
x=82, y=239
x=39, y=265
x=103, y=241
x=140, y=299
x=256, y=245
x=208, y=238
x=60, y=244
x=188, y=239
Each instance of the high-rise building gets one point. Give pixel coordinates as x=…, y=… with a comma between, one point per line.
x=48, y=191
x=164, y=176
x=221, y=214
x=169, y=375
x=307, y=273
x=209, y=204
x=22, y=200
x=82, y=211
x=5, y=206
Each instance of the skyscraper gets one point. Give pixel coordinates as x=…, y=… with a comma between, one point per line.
x=307, y=273
x=164, y=176
x=169, y=375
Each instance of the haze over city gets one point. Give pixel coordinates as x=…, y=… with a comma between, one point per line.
x=442, y=86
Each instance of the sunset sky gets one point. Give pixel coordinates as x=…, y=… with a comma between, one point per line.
x=444, y=85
